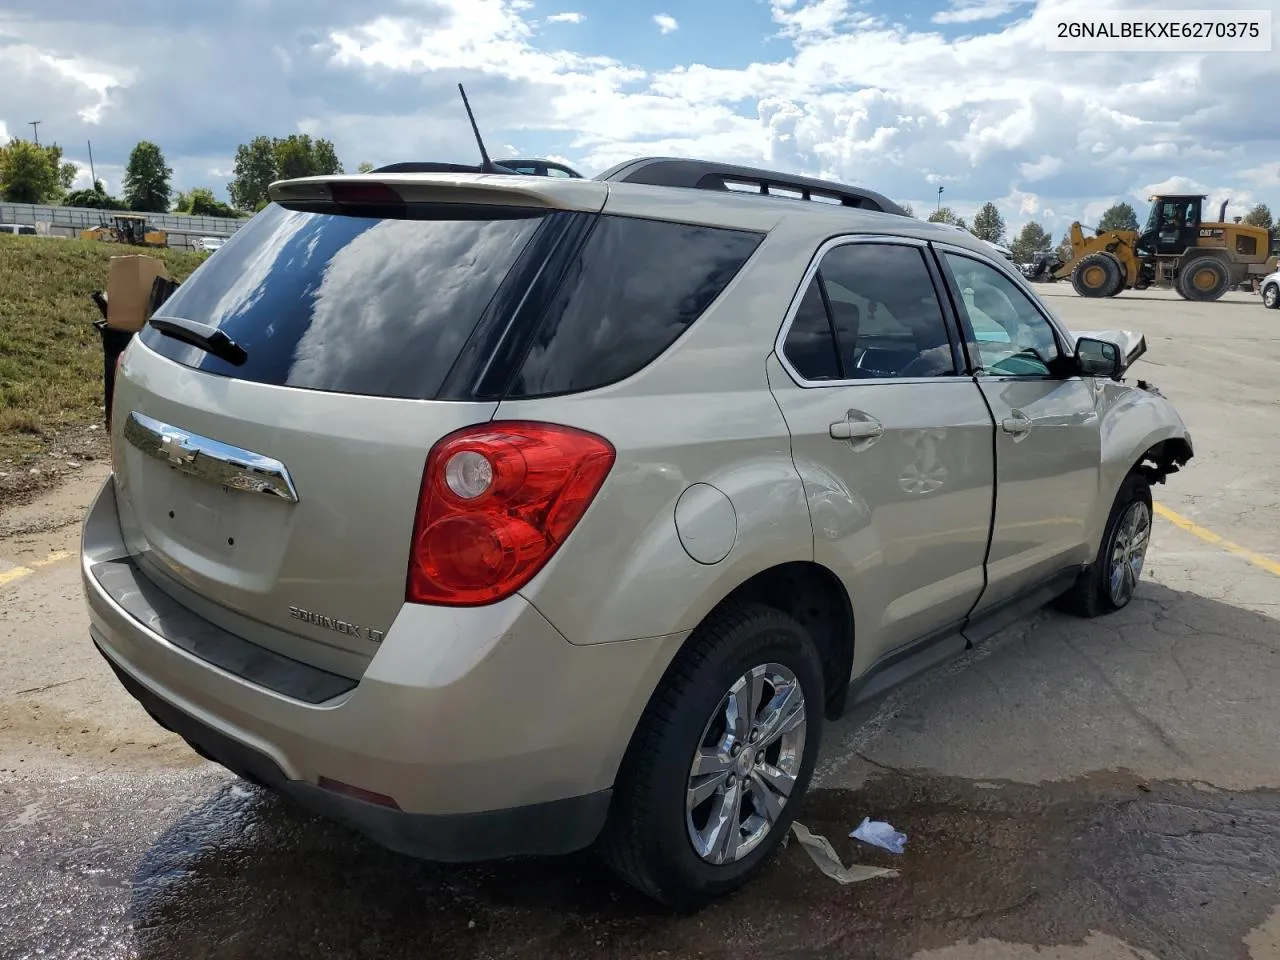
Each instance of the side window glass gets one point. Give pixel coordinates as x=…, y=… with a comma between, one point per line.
x=635, y=287
x=810, y=347
x=1014, y=338
x=886, y=314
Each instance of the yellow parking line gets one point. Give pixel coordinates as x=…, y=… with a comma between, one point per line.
x=17, y=573
x=1208, y=536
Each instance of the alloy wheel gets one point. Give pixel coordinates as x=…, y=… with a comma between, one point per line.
x=746, y=764
x=1129, y=552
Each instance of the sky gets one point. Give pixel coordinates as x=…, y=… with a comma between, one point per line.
x=902, y=96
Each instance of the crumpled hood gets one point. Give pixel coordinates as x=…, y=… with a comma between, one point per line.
x=1132, y=343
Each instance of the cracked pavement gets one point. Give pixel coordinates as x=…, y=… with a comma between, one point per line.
x=1072, y=790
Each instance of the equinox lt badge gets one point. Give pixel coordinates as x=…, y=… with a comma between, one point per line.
x=337, y=626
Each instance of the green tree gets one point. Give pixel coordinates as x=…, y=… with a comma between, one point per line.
x=365, y=167
x=1031, y=239
x=910, y=210
x=947, y=215
x=255, y=170
x=1260, y=216
x=1064, y=248
x=295, y=156
x=96, y=198
x=147, y=180
x=325, y=159
x=33, y=174
x=200, y=202
x=988, y=225
x=264, y=160
x=1119, y=216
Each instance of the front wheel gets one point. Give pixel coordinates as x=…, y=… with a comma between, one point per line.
x=1203, y=279
x=1271, y=296
x=721, y=757
x=1109, y=584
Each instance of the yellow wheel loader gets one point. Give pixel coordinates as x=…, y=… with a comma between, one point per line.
x=127, y=228
x=1201, y=261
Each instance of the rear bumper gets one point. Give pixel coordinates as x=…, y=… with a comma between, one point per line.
x=559, y=826
x=492, y=734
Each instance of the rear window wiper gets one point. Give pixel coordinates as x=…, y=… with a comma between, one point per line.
x=209, y=339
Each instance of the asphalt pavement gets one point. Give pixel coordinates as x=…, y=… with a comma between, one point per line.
x=1071, y=789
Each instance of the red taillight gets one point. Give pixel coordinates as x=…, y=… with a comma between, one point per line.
x=497, y=501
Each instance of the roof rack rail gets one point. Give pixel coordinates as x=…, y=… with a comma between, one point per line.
x=532, y=167
x=427, y=166
x=707, y=175
x=538, y=167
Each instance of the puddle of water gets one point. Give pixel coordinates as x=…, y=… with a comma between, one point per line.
x=199, y=867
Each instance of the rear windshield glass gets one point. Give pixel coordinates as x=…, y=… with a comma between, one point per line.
x=346, y=304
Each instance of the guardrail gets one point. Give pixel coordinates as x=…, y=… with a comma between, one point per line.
x=58, y=220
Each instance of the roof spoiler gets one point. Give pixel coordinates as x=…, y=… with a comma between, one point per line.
x=707, y=175
x=389, y=193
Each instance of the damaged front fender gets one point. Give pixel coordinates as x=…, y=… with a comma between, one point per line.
x=1140, y=429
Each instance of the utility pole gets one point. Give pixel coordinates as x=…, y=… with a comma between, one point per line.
x=92, y=174
x=35, y=127
x=939, y=207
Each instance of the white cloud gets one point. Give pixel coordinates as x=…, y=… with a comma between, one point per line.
x=1046, y=166
x=843, y=93
x=666, y=22
x=972, y=11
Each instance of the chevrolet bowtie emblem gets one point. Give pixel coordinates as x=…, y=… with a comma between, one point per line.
x=175, y=449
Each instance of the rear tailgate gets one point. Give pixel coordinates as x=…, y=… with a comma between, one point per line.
x=277, y=495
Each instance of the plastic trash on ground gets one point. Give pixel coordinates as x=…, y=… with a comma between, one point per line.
x=824, y=855
x=880, y=834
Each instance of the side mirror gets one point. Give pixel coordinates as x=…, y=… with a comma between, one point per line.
x=1099, y=358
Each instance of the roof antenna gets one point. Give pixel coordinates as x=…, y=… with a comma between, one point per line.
x=486, y=165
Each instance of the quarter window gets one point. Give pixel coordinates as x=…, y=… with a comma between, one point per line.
x=810, y=346
x=1014, y=339
x=636, y=286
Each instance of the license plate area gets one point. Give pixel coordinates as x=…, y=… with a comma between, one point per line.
x=207, y=510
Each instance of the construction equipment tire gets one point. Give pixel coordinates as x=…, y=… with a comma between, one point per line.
x=1098, y=275
x=1204, y=278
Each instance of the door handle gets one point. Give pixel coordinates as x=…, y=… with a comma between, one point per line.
x=1018, y=425
x=856, y=429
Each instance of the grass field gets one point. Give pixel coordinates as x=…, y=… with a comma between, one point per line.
x=50, y=355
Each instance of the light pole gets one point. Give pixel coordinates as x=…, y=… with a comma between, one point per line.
x=939, y=207
x=35, y=128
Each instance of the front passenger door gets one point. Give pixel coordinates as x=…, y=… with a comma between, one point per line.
x=1048, y=443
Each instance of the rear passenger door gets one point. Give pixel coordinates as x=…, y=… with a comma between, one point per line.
x=892, y=438
x=1048, y=443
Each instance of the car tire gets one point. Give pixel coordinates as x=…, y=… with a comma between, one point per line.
x=1271, y=296
x=1098, y=275
x=659, y=811
x=1109, y=583
x=1203, y=279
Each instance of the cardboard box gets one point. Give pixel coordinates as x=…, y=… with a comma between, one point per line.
x=129, y=290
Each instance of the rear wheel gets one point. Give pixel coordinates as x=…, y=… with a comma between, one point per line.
x=1204, y=278
x=1271, y=296
x=1098, y=275
x=721, y=757
x=1109, y=584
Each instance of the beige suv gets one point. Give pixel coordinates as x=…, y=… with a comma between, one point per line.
x=502, y=515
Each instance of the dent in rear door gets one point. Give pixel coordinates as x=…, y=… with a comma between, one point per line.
x=1048, y=444
x=893, y=443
